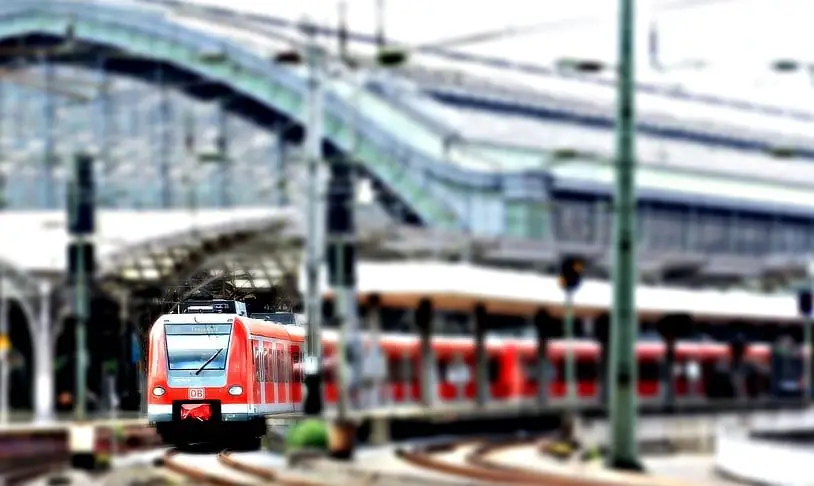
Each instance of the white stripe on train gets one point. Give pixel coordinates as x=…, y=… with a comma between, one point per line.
x=235, y=408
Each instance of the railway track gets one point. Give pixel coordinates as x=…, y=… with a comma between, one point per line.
x=18, y=475
x=473, y=461
x=233, y=472
x=239, y=471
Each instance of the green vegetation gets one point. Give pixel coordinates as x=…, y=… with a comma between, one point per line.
x=310, y=433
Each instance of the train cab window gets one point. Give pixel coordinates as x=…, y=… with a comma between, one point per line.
x=649, y=370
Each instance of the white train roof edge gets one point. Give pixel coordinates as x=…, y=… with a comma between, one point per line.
x=525, y=287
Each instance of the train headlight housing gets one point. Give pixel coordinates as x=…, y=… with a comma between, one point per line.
x=159, y=391
x=235, y=390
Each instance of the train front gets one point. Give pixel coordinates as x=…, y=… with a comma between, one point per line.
x=197, y=378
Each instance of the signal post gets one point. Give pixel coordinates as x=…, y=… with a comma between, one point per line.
x=81, y=266
x=571, y=270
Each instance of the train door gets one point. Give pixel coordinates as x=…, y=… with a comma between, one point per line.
x=399, y=389
x=649, y=378
x=271, y=378
x=283, y=375
x=587, y=377
x=412, y=377
x=297, y=374
x=258, y=398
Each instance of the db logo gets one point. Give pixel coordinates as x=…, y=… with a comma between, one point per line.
x=197, y=394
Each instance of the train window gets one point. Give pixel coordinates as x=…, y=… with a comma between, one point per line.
x=528, y=365
x=270, y=364
x=275, y=363
x=407, y=368
x=287, y=365
x=649, y=370
x=296, y=374
x=258, y=375
x=443, y=366
x=587, y=370
x=395, y=370
x=329, y=374
x=494, y=370
x=260, y=363
x=266, y=361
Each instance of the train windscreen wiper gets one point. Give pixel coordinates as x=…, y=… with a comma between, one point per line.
x=206, y=363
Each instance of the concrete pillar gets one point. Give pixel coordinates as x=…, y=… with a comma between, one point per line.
x=541, y=324
x=481, y=356
x=82, y=445
x=379, y=431
x=44, y=343
x=424, y=321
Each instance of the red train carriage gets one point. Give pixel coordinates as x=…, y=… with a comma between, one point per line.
x=512, y=367
x=213, y=372
x=218, y=375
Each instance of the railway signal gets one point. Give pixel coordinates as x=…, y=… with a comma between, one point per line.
x=571, y=270
x=81, y=264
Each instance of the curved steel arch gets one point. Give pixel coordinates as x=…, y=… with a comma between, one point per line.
x=192, y=248
x=150, y=35
x=23, y=285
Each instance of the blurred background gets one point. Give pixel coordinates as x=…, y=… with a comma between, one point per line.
x=481, y=134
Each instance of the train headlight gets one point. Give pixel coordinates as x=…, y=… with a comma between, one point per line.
x=159, y=391
x=235, y=390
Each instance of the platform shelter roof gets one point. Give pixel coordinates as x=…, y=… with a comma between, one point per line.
x=461, y=286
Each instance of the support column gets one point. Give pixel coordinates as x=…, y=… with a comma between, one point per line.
x=165, y=127
x=481, y=357
x=315, y=230
x=104, y=127
x=281, y=194
x=49, y=129
x=44, y=344
x=424, y=323
x=541, y=324
x=623, y=451
x=225, y=163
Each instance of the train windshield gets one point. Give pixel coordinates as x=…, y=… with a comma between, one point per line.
x=191, y=346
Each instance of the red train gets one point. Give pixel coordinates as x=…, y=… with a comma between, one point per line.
x=217, y=375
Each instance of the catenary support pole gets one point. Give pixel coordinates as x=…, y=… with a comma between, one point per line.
x=314, y=247
x=623, y=452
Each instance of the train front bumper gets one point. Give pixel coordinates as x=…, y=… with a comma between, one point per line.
x=228, y=413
